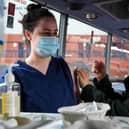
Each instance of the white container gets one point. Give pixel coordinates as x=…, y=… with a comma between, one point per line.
x=83, y=111
x=11, y=96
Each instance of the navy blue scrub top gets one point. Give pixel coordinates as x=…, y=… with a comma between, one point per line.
x=45, y=93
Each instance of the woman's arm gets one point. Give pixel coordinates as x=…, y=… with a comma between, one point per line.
x=75, y=81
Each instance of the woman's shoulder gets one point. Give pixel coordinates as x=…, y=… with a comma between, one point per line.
x=19, y=62
x=22, y=66
x=60, y=60
x=64, y=65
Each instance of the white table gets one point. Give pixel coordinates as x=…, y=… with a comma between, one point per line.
x=54, y=121
x=57, y=123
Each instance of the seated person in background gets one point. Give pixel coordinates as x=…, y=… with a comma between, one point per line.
x=102, y=87
x=126, y=84
x=121, y=108
x=46, y=81
x=103, y=92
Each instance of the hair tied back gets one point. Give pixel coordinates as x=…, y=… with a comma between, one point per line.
x=33, y=7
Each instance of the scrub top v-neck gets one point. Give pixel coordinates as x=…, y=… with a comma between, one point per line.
x=45, y=93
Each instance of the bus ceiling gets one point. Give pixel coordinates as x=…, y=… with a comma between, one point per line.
x=111, y=16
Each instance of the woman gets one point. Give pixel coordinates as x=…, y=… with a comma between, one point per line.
x=46, y=81
x=101, y=90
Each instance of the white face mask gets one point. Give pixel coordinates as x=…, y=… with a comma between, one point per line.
x=47, y=46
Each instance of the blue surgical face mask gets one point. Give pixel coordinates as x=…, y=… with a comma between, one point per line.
x=47, y=46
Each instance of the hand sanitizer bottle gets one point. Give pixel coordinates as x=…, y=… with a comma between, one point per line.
x=11, y=97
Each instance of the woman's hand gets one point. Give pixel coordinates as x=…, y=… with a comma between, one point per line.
x=83, y=77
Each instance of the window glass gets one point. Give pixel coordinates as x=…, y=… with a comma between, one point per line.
x=119, y=57
x=84, y=44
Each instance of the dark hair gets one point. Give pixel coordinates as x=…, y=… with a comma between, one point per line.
x=34, y=14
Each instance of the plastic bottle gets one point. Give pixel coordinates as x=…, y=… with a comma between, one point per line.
x=11, y=96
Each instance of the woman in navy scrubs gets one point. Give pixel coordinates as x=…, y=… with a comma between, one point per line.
x=46, y=81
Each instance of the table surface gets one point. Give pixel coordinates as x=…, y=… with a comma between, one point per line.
x=57, y=122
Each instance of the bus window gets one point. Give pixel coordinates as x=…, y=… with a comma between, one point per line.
x=119, y=63
x=84, y=44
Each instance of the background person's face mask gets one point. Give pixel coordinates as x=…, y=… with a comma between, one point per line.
x=47, y=46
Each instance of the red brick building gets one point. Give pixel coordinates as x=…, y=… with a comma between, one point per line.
x=77, y=50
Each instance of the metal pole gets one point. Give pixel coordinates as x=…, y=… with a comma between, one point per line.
x=62, y=34
x=107, y=53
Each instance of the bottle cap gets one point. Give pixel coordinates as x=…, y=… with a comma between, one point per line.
x=9, y=77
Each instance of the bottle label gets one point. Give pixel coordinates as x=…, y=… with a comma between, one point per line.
x=4, y=98
x=10, y=103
